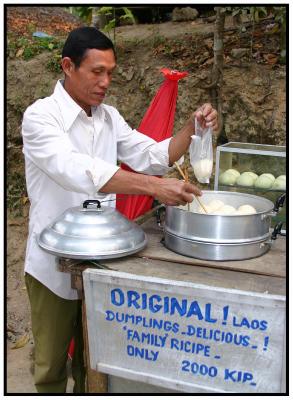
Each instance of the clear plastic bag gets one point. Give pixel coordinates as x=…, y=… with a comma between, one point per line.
x=201, y=153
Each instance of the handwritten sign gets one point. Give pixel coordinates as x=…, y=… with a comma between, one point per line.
x=184, y=336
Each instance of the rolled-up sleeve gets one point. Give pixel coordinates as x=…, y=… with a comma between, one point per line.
x=50, y=149
x=140, y=152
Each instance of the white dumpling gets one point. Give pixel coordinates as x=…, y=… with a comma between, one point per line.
x=281, y=177
x=234, y=172
x=215, y=204
x=226, y=210
x=237, y=212
x=246, y=209
x=271, y=176
x=279, y=184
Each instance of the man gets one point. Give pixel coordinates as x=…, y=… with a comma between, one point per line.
x=71, y=145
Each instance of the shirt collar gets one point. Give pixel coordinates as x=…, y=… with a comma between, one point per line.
x=70, y=109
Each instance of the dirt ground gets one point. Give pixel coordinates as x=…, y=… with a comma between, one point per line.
x=254, y=98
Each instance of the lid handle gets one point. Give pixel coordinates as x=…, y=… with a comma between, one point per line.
x=91, y=202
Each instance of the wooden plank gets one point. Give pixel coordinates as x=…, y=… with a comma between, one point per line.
x=96, y=382
x=273, y=263
x=200, y=274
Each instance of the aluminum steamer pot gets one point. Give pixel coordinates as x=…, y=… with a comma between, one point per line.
x=222, y=237
x=92, y=232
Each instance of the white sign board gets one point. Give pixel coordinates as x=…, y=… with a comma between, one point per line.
x=184, y=336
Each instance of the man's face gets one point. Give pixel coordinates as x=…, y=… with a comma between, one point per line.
x=88, y=83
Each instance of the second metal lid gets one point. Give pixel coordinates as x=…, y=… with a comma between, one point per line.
x=92, y=231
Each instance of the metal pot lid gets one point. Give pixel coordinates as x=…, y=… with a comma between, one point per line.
x=92, y=231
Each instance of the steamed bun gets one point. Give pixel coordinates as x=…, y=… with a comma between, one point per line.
x=215, y=205
x=246, y=209
x=233, y=172
x=225, y=210
x=245, y=179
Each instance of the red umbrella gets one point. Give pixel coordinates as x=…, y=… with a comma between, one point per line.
x=158, y=124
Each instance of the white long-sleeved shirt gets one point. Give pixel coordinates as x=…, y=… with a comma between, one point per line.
x=68, y=158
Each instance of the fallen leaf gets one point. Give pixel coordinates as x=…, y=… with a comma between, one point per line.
x=21, y=342
x=257, y=33
x=271, y=58
x=209, y=61
x=257, y=45
x=19, y=52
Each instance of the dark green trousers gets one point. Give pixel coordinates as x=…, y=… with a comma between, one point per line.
x=54, y=322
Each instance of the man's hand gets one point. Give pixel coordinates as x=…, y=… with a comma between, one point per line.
x=169, y=191
x=174, y=192
x=207, y=116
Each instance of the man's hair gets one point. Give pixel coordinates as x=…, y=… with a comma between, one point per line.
x=82, y=39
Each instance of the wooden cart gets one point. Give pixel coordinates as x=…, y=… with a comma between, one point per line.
x=265, y=274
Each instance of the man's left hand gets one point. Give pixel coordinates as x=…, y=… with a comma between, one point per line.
x=207, y=116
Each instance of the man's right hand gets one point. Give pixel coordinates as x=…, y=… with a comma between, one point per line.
x=174, y=192
x=169, y=191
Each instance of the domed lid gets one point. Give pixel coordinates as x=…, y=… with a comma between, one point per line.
x=92, y=231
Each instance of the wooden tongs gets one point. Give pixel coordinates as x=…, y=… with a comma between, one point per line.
x=185, y=177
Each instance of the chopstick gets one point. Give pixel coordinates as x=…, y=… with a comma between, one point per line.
x=180, y=170
x=185, y=177
x=186, y=180
x=201, y=204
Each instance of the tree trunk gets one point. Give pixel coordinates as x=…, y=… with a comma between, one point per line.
x=98, y=21
x=217, y=72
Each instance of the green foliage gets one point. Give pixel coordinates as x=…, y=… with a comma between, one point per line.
x=110, y=12
x=254, y=12
x=28, y=48
x=159, y=40
x=280, y=15
x=280, y=18
x=128, y=16
x=257, y=12
x=54, y=64
x=106, y=10
x=16, y=190
x=84, y=13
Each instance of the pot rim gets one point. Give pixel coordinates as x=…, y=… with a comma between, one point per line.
x=236, y=194
x=216, y=241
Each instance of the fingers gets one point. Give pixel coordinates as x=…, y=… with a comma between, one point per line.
x=207, y=116
x=192, y=189
x=188, y=192
x=200, y=117
x=212, y=120
x=206, y=109
x=174, y=192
